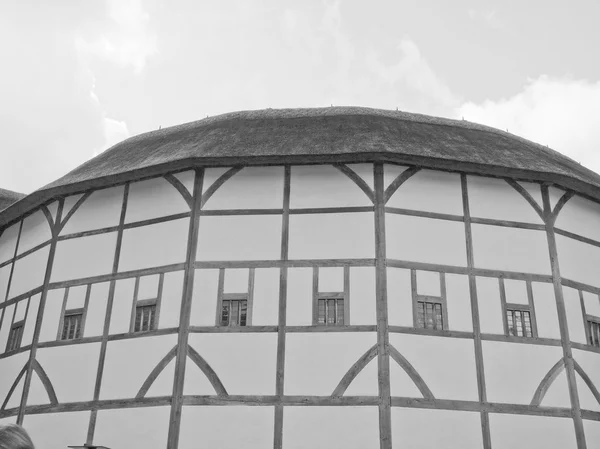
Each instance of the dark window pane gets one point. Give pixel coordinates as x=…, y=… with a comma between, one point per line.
x=225, y=313
x=144, y=318
x=321, y=312
x=331, y=311
x=340, y=311
x=72, y=326
x=243, y=312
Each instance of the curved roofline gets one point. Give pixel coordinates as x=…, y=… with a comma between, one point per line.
x=151, y=151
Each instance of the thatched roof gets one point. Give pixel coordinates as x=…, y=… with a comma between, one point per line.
x=340, y=134
x=8, y=197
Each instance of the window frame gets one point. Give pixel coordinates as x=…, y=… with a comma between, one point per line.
x=248, y=296
x=509, y=306
x=343, y=295
x=64, y=311
x=156, y=301
x=15, y=325
x=589, y=320
x=72, y=312
x=442, y=300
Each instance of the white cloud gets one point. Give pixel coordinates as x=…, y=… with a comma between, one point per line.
x=561, y=113
x=488, y=17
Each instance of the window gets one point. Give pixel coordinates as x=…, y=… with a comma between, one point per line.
x=430, y=315
x=72, y=324
x=234, y=312
x=145, y=316
x=594, y=331
x=15, y=336
x=331, y=311
x=518, y=322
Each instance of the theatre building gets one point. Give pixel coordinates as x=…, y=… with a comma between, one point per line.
x=313, y=278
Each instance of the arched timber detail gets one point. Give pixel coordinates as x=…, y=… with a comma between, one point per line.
x=412, y=373
x=587, y=380
x=218, y=183
x=13, y=387
x=49, y=219
x=45, y=381
x=354, y=371
x=525, y=194
x=356, y=180
x=208, y=371
x=560, y=204
x=180, y=188
x=396, y=183
x=72, y=211
x=547, y=381
x=156, y=372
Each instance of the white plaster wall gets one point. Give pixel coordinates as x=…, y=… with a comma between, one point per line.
x=29, y=272
x=57, y=430
x=4, y=278
x=330, y=427
x=96, y=313
x=84, y=257
x=9, y=370
x=514, y=371
x=36, y=230
x=574, y=312
x=20, y=310
x=426, y=429
x=324, y=186
x=362, y=300
x=592, y=431
x=399, y=297
x=76, y=383
x=154, y=245
x=591, y=303
x=7, y=319
x=163, y=384
x=590, y=363
x=426, y=240
x=51, y=316
x=510, y=249
x=587, y=400
x=148, y=286
x=430, y=191
x=496, y=199
x=146, y=427
x=76, y=297
x=432, y=356
x=37, y=392
x=101, y=210
x=331, y=279
x=299, y=297
x=558, y=393
x=332, y=236
x=458, y=301
x=578, y=261
x=536, y=432
x=365, y=172
x=120, y=318
x=535, y=190
x=8, y=242
x=256, y=237
x=230, y=427
x=428, y=283
x=580, y=216
x=211, y=175
x=31, y=319
x=545, y=310
x=236, y=280
x=153, y=198
x=366, y=382
x=516, y=292
x=231, y=354
x=170, y=305
x=129, y=362
x=204, y=298
x=391, y=172
x=315, y=363
x=266, y=297
x=187, y=179
x=251, y=188
x=401, y=385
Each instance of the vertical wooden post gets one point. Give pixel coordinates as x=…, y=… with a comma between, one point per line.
x=184, y=316
x=549, y=219
x=383, y=345
x=280, y=367
x=481, y=390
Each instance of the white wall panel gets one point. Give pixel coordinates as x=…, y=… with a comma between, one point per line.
x=315, y=363
x=330, y=427
x=365, y=172
x=129, y=362
x=211, y=175
x=391, y=172
x=9, y=369
x=187, y=179
x=458, y=299
x=580, y=216
x=535, y=190
x=14, y=400
x=555, y=195
x=154, y=245
x=146, y=427
x=120, y=318
x=590, y=363
x=574, y=315
x=516, y=291
x=426, y=429
x=8, y=242
x=37, y=392
x=7, y=319
x=513, y=371
x=431, y=356
x=4, y=279
x=35, y=230
x=236, y=280
x=251, y=188
x=72, y=370
x=401, y=385
x=587, y=400
x=428, y=283
x=366, y=382
x=170, y=305
x=430, y=191
x=34, y=304
x=51, y=315
x=545, y=310
x=57, y=430
x=299, y=297
x=592, y=303
x=163, y=384
x=399, y=297
x=148, y=287
x=204, y=298
x=153, y=198
x=20, y=310
x=362, y=302
x=29, y=272
x=324, y=186
x=331, y=279
x=76, y=298
x=101, y=210
x=558, y=393
x=496, y=199
x=592, y=432
x=425, y=240
x=266, y=297
x=578, y=261
x=256, y=237
x=232, y=427
x=230, y=354
x=96, y=313
x=510, y=249
x=537, y=432
x=98, y=252
x=332, y=236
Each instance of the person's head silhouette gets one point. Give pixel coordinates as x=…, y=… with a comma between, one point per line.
x=13, y=436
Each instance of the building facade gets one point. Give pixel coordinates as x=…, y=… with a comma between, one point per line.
x=327, y=278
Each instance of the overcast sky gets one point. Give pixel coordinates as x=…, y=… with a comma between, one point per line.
x=78, y=76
